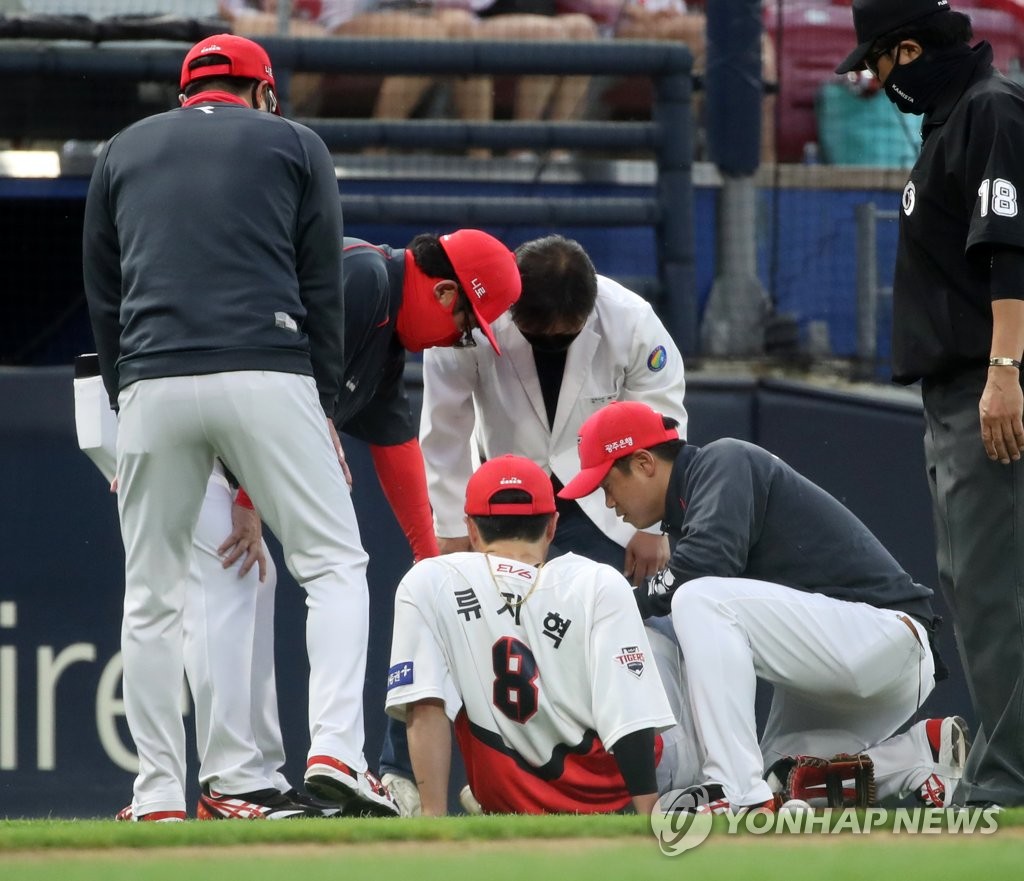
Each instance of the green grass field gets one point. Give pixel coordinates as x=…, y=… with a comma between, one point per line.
x=520, y=848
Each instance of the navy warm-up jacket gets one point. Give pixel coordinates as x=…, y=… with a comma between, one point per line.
x=212, y=244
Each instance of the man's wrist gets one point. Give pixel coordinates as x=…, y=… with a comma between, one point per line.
x=1004, y=362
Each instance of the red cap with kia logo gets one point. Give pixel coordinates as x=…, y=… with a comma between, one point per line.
x=509, y=472
x=235, y=56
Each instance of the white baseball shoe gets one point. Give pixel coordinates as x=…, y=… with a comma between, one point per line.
x=357, y=794
x=404, y=793
x=950, y=741
x=469, y=803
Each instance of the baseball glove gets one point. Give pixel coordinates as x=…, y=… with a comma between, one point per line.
x=842, y=781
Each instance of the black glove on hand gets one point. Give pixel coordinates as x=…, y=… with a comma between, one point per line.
x=654, y=596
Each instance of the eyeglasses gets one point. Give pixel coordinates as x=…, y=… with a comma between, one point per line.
x=872, y=58
x=465, y=310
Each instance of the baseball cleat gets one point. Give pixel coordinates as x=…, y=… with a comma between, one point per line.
x=404, y=793
x=709, y=798
x=950, y=741
x=263, y=804
x=126, y=815
x=307, y=801
x=357, y=794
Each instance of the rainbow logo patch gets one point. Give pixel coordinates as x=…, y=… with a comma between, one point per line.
x=657, y=359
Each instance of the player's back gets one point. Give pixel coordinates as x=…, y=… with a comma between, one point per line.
x=211, y=204
x=548, y=664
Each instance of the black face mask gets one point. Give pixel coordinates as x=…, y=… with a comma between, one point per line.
x=550, y=343
x=916, y=87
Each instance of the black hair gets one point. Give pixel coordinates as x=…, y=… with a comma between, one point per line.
x=504, y=527
x=431, y=258
x=940, y=30
x=666, y=451
x=559, y=283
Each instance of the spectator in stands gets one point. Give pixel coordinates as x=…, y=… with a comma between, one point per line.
x=675, y=20
x=399, y=96
x=537, y=97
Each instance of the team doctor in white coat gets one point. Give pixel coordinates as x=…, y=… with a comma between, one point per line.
x=574, y=342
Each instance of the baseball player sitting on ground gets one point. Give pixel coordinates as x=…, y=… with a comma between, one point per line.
x=770, y=577
x=238, y=735
x=544, y=668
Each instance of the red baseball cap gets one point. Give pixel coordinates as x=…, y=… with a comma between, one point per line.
x=509, y=472
x=488, y=274
x=237, y=56
x=613, y=432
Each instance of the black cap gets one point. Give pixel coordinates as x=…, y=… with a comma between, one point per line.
x=876, y=18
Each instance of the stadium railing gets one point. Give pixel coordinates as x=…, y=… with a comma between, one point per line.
x=667, y=137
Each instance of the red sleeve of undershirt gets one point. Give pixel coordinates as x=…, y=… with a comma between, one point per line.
x=404, y=481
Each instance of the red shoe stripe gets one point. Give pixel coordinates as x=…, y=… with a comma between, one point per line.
x=162, y=815
x=333, y=763
x=226, y=807
x=933, y=791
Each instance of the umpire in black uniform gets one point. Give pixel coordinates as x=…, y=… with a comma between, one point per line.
x=958, y=326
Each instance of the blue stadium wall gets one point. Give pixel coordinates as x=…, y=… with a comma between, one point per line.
x=805, y=243
x=64, y=745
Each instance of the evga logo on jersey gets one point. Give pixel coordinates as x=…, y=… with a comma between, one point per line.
x=400, y=674
x=632, y=658
x=518, y=571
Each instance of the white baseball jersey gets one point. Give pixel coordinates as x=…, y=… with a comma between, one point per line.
x=543, y=670
x=623, y=353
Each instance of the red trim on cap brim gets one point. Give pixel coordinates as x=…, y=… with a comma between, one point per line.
x=484, y=326
x=587, y=481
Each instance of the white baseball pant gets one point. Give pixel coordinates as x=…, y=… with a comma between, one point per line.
x=229, y=658
x=845, y=676
x=232, y=681
x=680, y=763
x=269, y=429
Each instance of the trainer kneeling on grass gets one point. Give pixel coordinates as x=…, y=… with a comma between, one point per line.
x=770, y=577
